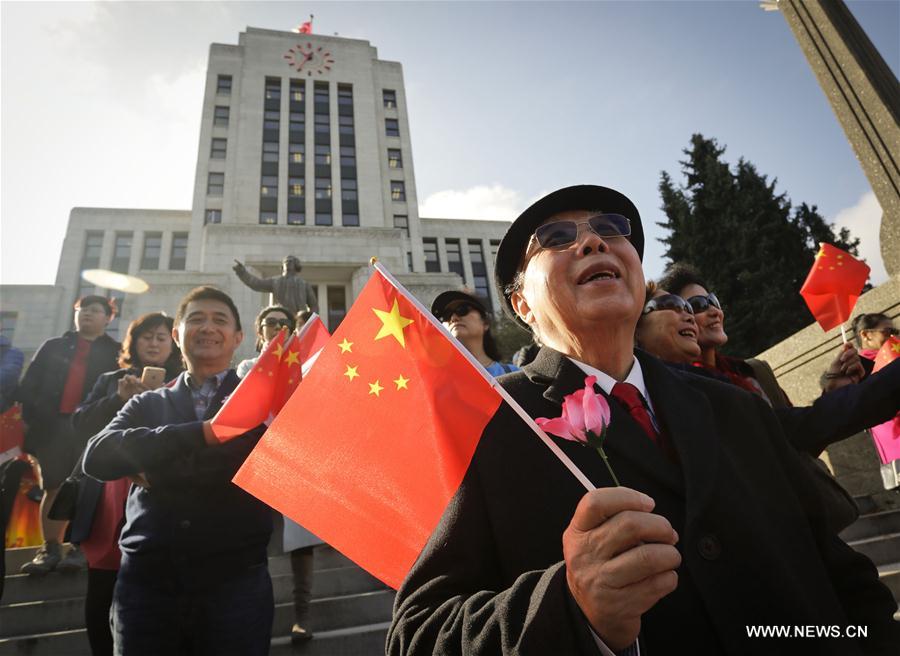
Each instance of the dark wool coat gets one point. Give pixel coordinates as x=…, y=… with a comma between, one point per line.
x=492, y=580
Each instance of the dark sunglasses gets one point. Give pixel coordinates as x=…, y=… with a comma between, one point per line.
x=702, y=303
x=562, y=233
x=668, y=302
x=272, y=322
x=460, y=310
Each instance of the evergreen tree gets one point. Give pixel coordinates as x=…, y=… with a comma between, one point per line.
x=753, y=248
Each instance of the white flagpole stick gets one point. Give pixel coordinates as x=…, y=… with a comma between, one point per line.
x=843, y=333
x=519, y=410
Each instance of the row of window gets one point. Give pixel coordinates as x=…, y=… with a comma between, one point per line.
x=455, y=262
x=122, y=246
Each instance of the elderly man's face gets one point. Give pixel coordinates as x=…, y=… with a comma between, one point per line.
x=591, y=281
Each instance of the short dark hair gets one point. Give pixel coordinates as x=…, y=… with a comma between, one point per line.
x=266, y=311
x=109, y=304
x=128, y=357
x=679, y=276
x=867, y=322
x=207, y=293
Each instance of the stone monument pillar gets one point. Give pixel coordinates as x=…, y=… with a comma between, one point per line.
x=865, y=96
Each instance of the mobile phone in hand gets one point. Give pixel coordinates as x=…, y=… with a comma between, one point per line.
x=153, y=377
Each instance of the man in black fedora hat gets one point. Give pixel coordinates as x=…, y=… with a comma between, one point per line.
x=715, y=535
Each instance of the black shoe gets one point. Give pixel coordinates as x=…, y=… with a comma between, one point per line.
x=299, y=635
x=35, y=494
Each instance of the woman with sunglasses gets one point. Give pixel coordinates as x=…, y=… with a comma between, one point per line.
x=466, y=317
x=667, y=328
x=269, y=323
x=872, y=331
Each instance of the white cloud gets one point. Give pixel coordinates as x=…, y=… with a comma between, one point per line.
x=864, y=221
x=490, y=203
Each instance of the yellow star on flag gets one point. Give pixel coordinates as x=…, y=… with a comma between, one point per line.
x=392, y=323
x=401, y=382
x=821, y=252
x=895, y=347
x=351, y=372
x=292, y=358
x=278, y=351
x=345, y=346
x=375, y=388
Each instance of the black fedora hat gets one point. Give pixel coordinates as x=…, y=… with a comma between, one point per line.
x=578, y=197
x=444, y=299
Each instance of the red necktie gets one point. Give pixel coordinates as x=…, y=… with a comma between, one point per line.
x=630, y=398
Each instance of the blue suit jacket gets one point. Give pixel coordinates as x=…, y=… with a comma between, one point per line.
x=192, y=514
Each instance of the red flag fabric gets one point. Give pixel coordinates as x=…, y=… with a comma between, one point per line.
x=371, y=447
x=300, y=354
x=250, y=404
x=313, y=337
x=833, y=285
x=305, y=27
x=12, y=433
x=888, y=352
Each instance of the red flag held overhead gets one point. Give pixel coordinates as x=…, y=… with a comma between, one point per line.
x=833, y=285
x=367, y=453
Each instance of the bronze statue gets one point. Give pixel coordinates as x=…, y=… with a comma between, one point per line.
x=288, y=289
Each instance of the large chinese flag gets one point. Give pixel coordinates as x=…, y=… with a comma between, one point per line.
x=833, y=285
x=251, y=403
x=888, y=352
x=373, y=444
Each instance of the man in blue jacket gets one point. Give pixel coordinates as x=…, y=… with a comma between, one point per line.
x=194, y=577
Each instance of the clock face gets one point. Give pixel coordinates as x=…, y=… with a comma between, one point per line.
x=309, y=59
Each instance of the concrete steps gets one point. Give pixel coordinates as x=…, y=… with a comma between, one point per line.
x=350, y=610
x=877, y=535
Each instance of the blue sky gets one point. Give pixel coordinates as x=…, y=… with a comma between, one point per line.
x=507, y=100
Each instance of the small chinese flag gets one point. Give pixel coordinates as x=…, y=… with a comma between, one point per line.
x=313, y=336
x=888, y=352
x=12, y=433
x=305, y=27
x=250, y=404
x=372, y=446
x=300, y=354
x=833, y=285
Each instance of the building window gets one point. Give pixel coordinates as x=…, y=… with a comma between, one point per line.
x=213, y=216
x=298, y=91
x=432, y=264
x=218, y=148
x=345, y=124
x=348, y=156
x=152, y=250
x=270, y=151
x=271, y=119
x=345, y=94
x=296, y=218
x=495, y=245
x=479, y=270
x=398, y=190
x=337, y=306
x=269, y=186
x=409, y=266
x=322, y=124
x=392, y=127
x=93, y=244
x=402, y=221
x=323, y=155
x=295, y=187
x=351, y=220
x=390, y=98
x=348, y=190
x=268, y=218
x=8, y=324
x=223, y=85
x=273, y=88
x=297, y=125
x=178, y=256
x=454, y=258
x=323, y=189
x=216, y=184
x=394, y=159
x=320, y=96
x=323, y=218
x=295, y=153
x=112, y=329
x=220, y=116
x=121, y=252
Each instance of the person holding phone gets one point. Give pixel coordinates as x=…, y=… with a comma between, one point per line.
x=149, y=358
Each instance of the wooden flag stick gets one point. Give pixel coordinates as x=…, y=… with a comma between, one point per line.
x=519, y=410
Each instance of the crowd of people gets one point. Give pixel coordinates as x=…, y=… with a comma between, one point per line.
x=724, y=516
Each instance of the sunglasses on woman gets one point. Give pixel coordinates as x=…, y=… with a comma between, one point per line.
x=668, y=302
x=460, y=310
x=701, y=303
x=560, y=234
x=272, y=322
